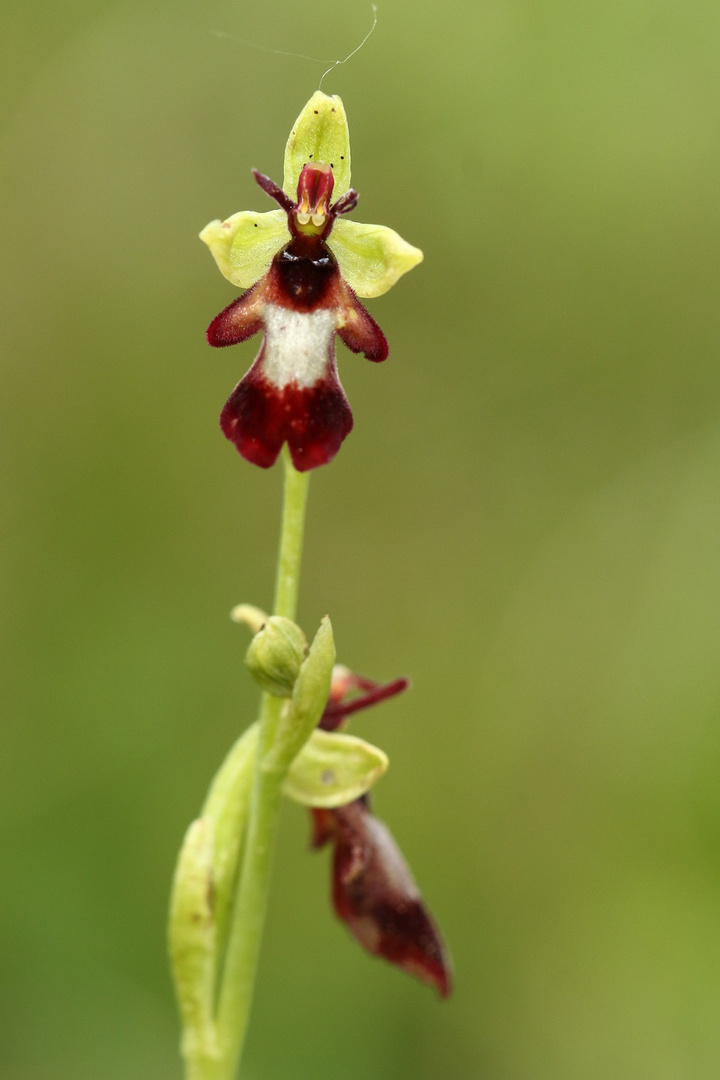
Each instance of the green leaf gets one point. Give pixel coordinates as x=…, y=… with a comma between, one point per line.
x=333, y=769
x=320, y=134
x=371, y=257
x=244, y=245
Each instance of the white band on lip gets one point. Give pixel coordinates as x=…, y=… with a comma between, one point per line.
x=298, y=345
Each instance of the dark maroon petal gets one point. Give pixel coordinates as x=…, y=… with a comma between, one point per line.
x=273, y=190
x=248, y=420
x=345, y=203
x=239, y=321
x=337, y=710
x=359, y=331
x=320, y=421
x=324, y=827
x=376, y=895
x=259, y=417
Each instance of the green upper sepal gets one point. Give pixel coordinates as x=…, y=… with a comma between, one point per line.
x=332, y=769
x=319, y=135
x=302, y=713
x=276, y=654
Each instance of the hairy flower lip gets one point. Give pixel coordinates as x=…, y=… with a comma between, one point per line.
x=292, y=392
x=259, y=417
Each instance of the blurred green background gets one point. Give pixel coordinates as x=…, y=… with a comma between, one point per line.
x=526, y=520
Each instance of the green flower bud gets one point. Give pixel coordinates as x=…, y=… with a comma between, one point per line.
x=301, y=715
x=275, y=655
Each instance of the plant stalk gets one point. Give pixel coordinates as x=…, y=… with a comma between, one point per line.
x=248, y=917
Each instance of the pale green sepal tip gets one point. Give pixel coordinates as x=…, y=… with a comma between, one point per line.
x=244, y=245
x=251, y=616
x=193, y=938
x=320, y=134
x=371, y=257
x=332, y=769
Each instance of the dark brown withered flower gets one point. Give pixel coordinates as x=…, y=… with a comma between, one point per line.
x=375, y=893
x=373, y=890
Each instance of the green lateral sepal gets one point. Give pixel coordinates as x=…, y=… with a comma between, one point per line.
x=244, y=245
x=333, y=769
x=371, y=257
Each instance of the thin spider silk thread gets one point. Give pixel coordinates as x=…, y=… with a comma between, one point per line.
x=302, y=56
x=337, y=63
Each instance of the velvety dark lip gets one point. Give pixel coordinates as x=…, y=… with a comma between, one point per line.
x=258, y=418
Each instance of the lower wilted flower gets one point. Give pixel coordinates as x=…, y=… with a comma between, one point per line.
x=303, y=285
x=373, y=889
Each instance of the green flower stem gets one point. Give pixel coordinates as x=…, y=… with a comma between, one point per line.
x=243, y=947
x=287, y=580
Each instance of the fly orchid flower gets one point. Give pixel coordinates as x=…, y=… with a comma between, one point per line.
x=304, y=267
x=373, y=889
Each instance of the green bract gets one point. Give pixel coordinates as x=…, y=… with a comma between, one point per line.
x=302, y=713
x=203, y=891
x=371, y=257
